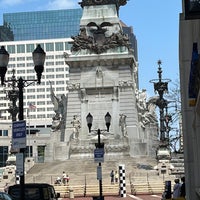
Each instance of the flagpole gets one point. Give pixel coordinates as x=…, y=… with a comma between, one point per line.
x=29, y=132
x=29, y=135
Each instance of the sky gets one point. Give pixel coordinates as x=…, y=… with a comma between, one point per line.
x=155, y=24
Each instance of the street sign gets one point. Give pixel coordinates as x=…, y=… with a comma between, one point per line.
x=19, y=164
x=19, y=134
x=99, y=155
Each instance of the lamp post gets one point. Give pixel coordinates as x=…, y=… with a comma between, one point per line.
x=161, y=86
x=99, y=147
x=38, y=59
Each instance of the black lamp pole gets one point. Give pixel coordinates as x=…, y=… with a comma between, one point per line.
x=38, y=59
x=89, y=119
x=13, y=95
x=100, y=180
x=161, y=86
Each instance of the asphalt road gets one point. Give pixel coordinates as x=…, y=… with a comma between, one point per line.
x=128, y=197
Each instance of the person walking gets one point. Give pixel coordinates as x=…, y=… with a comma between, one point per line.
x=67, y=179
x=183, y=193
x=176, y=189
x=116, y=176
x=64, y=178
x=112, y=177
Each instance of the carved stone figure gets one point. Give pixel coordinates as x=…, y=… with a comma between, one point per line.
x=98, y=42
x=122, y=124
x=60, y=109
x=151, y=108
x=76, y=126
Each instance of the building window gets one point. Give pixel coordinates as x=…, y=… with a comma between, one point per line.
x=29, y=47
x=20, y=58
x=3, y=132
x=49, y=47
x=20, y=48
x=11, y=48
x=60, y=63
x=50, y=70
x=27, y=153
x=59, y=46
x=3, y=155
x=67, y=46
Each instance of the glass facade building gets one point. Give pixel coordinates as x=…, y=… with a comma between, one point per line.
x=44, y=24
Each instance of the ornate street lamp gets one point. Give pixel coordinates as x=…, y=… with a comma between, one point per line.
x=38, y=59
x=99, y=145
x=161, y=86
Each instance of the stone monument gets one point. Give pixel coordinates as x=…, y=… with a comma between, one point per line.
x=103, y=78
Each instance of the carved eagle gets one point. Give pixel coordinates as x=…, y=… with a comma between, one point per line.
x=99, y=28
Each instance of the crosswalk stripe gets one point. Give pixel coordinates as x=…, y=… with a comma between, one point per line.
x=156, y=196
x=134, y=197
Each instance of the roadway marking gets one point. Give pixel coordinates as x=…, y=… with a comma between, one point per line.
x=156, y=196
x=137, y=198
x=134, y=197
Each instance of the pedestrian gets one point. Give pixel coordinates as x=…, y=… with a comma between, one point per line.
x=112, y=177
x=176, y=189
x=6, y=186
x=67, y=179
x=64, y=178
x=116, y=176
x=58, y=181
x=183, y=193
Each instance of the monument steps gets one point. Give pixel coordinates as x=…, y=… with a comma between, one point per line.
x=140, y=175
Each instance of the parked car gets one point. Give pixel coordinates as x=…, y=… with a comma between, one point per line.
x=5, y=196
x=34, y=191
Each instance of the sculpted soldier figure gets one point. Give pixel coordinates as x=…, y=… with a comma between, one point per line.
x=76, y=126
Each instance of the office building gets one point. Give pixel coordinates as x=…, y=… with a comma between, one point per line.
x=55, y=71
x=5, y=33
x=44, y=24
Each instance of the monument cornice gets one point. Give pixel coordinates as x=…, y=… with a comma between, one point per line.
x=102, y=2
x=100, y=60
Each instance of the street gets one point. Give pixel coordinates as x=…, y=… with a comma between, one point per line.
x=128, y=197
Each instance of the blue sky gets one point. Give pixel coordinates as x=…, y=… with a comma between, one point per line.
x=155, y=24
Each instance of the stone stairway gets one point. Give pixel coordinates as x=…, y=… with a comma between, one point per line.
x=178, y=162
x=140, y=176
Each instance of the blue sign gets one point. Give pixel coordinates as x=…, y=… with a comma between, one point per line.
x=99, y=155
x=19, y=134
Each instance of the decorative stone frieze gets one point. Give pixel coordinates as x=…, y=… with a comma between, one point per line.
x=75, y=86
x=124, y=84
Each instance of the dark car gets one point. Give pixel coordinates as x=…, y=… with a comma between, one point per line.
x=34, y=191
x=5, y=196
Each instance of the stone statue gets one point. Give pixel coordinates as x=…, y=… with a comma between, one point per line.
x=122, y=124
x=60, y=109
x=76, y=126
x=151, y=110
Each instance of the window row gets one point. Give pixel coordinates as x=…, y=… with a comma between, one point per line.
x=28, y=48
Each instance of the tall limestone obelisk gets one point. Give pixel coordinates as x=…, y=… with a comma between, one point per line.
x=103, y=78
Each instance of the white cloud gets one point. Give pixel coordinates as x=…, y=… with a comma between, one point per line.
x=62, y=4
